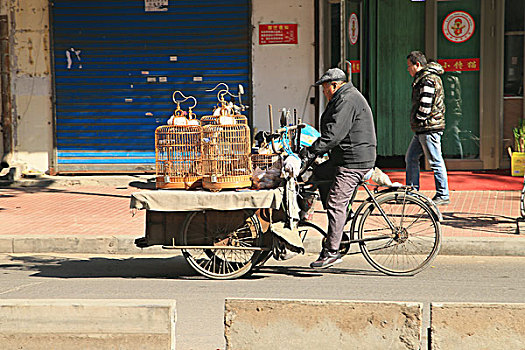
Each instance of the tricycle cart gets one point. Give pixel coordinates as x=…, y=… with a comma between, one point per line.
x=225, y=235
x=219, y=233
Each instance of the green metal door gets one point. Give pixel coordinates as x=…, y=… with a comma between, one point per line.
x=458, y=47
x=395, y=28
x=353, y=41
x=376, y=37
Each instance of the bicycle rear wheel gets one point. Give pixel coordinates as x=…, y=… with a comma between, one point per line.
x=410, y=246
x=233, y=240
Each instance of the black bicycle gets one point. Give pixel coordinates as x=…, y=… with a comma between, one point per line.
x=397, y=228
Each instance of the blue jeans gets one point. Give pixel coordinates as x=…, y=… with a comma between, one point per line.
x=430, y=145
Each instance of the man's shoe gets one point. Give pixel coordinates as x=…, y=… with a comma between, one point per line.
x=326, y=259
x=441, y=201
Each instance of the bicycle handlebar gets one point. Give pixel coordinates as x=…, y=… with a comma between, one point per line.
x=278, y=133
x=305, y=167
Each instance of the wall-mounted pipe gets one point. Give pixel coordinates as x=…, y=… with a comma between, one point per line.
x=6, y=119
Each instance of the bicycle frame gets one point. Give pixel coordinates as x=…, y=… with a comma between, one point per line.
x=372, y=200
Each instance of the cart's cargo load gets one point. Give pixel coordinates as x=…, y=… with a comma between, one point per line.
x=267, y=178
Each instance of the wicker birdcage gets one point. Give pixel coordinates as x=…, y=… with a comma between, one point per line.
x=264, y=161
x=223, y=117
x=226, y=158
x=178, y=151
x=224, y=112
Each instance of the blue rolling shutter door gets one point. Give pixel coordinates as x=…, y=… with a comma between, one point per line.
x=116, y=67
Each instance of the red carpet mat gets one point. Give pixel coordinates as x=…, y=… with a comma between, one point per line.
x=490, y=180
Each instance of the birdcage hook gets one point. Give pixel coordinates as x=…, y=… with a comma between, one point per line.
x=178, y=111
x=185, y=98
x=222, y=92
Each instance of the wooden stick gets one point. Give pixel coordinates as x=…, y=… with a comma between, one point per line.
x=271, y=118
x=298, y=141
x=271, y=128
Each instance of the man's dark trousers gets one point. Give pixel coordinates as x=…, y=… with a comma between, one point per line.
x=336, y=199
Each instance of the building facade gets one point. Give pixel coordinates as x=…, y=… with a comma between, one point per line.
x=85, y=83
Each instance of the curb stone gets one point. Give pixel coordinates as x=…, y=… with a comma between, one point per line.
x=493, y=246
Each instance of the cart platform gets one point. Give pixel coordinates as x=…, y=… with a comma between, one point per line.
x=188, y=201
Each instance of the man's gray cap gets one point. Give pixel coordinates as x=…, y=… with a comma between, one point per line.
x=333, y=74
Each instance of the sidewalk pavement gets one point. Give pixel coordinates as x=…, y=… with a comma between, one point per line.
x=90, y=214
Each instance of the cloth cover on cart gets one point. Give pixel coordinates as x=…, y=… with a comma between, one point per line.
x=173, y=200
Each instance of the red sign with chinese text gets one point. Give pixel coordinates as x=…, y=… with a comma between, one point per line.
x=356, y=66
x=460, y=64
x=277, y=34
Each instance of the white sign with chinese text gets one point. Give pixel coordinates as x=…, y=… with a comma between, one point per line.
x=155, y=5
x=353, y=29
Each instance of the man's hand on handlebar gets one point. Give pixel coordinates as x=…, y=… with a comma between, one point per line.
x=305, y=155
x=307, y=159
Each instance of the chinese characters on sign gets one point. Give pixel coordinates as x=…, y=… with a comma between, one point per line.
x=356, y=66
x=155, y=5
x=460, y=64
x=277, y=34
x=353, y=29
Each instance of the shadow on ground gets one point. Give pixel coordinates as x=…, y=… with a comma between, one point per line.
x=15, y=191
x=101, y=267
x=149, y=184
x=301, y=271
x=156, y=267
x=489, y=223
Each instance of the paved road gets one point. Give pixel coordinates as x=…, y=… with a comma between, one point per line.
x=200, y=301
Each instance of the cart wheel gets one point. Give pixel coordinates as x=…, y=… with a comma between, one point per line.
x=237, y=236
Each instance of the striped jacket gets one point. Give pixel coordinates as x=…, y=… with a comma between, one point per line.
x=428, y=100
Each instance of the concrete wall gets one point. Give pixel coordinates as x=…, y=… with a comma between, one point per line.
x=283, y=73
x=31, y=83
x=312, y=324
x=87, y=324
x=306, y=324
x=477, y=326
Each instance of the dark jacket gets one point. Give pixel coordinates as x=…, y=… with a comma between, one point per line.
x=347, y=130
x=453, y=101
x=428, y=100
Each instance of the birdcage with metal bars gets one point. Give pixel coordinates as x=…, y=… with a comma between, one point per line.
x=178, y=150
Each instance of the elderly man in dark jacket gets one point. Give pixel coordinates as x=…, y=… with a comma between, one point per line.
x=348, y=135
x=427, y=120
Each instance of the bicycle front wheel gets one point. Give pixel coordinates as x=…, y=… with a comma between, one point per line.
x=410, y=245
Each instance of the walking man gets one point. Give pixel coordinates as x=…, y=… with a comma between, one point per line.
x=348, y=135
x=427, y=120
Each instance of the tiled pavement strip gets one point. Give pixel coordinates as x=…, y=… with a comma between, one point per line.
x=103, y=211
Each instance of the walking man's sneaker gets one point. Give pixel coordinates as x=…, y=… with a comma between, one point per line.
x=441, y=201
x=326, y=259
